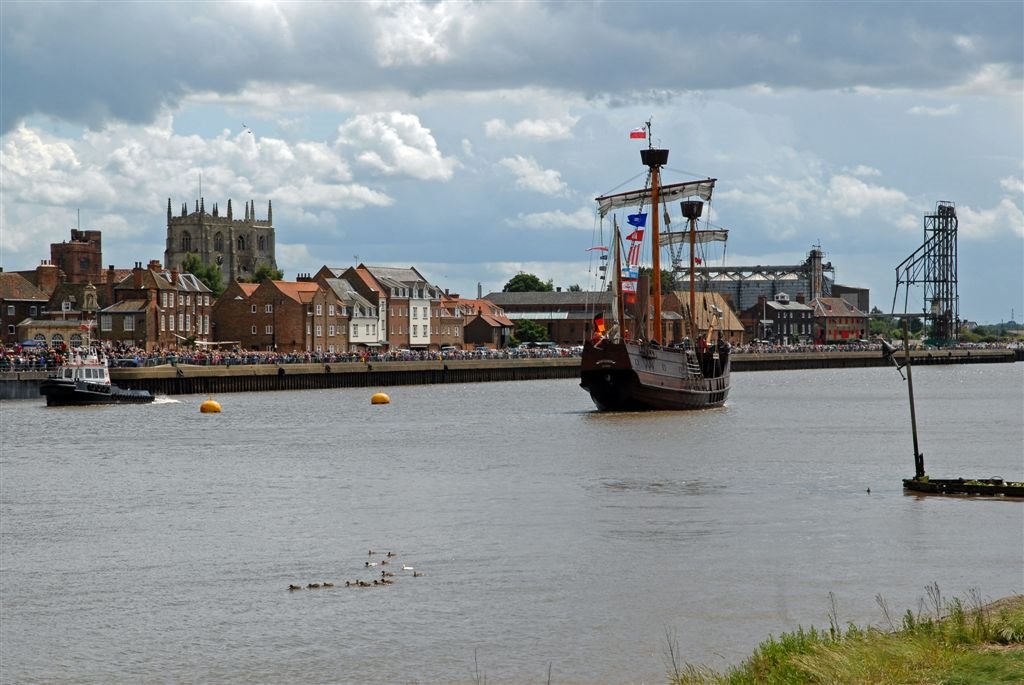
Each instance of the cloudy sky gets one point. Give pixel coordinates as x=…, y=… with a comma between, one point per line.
x=469, y=139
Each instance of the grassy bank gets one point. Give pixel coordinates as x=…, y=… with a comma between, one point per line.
x=949, y=643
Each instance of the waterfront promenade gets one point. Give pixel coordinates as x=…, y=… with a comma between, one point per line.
x=185, y=379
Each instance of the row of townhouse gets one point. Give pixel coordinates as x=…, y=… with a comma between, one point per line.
x=337, y=310
x=355, y=309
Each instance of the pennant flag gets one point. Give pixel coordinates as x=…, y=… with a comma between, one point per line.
x=630, y=272
x=638, y=133
x=599, y=323
x=638, y=220
x=633, y=259
x=591, y=249
x=636, y=236
x=696, y=260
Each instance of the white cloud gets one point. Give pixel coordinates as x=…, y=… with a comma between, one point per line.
x=291, y=258
x=852, y=197
x=540, y=129
x=416, y=34
x=1004, y=218
x=997, y=80
x=1013, y=184
x=530, y=176
x=923, y=110
x=583, y=218
x=965, y=44
x=862, y=171
x=394, y=143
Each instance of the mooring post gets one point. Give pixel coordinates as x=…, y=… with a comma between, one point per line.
x=918, y=457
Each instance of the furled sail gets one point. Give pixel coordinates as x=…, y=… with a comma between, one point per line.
x=674, y=191
x=710, y=235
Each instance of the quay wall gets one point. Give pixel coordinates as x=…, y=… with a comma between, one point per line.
x=184, y=379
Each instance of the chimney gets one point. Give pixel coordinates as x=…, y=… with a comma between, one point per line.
x=174, y=276
x=47, y=277
x=479, y=291
x=800, y=298
x=154, y=265
x=137, y=276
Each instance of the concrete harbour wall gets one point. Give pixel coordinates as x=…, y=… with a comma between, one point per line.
x=190, y=380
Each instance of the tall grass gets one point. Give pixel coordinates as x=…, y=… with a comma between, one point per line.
x=950, y=642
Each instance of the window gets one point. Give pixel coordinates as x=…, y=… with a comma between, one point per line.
x=170, y=320
x=181, y=322
x=106, y=322
x=129, y=323
x=188, y=300
x=240, y=242
x=254, y=309
x=10, y=310
x=32, y=310
x=413, y=313
x=206, y=300
x=181, y=299
x=308, y=328
x=218, y=242
x=330, y=331
x=163, y=322
x=268, y=309
x=261, y=242
x=163, y=298
x=269, y=330
x=188, y=322
x=186, y=241
x=57, y=340
x=319, y=310
x=330, y=310
x=414, y=332
x=319, y=331
x=330, y=349
x=355, y=330
x=253, y=331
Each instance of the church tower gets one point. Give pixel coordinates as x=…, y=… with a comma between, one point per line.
x=236, y=246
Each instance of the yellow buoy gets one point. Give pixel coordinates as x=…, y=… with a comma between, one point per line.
x=380, y=398
x=210, y=406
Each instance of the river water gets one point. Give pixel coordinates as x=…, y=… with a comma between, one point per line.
x=156, y=544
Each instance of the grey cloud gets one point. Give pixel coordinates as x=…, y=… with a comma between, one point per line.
x=96, y=62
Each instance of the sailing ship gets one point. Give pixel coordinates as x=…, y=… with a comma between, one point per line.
x=631, y=366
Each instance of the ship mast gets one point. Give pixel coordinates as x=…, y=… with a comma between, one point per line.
x=655, y=158
x=692, y=211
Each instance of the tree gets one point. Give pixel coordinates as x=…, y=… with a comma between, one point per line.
x=266, y=273
x=575, y=288
x=527, y=283
x=209, y=274
x=530, y=331
x=668, y=279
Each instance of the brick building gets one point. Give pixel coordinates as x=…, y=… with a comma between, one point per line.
x=156, y=309
x=20, y=299
x=837, y=321
x=281, y=316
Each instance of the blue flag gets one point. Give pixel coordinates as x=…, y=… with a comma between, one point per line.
x=638, y=220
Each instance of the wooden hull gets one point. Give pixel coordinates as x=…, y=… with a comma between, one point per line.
x=628, y=376
x=59, y=393
x=992, y=487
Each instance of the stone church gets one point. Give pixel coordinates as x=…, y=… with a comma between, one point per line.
x=236, y=246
